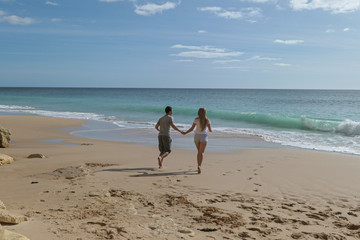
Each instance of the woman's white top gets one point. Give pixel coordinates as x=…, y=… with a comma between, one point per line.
x=198, y=126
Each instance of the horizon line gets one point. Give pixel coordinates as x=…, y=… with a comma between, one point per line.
x=188, y=88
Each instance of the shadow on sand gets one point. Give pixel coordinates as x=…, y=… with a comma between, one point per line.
x=149, y=172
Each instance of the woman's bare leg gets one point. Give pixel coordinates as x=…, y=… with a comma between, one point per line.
x=200, y=155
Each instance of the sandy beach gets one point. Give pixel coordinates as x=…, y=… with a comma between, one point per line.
x=92, y=189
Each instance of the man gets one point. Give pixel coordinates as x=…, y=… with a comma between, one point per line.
x=163, y=126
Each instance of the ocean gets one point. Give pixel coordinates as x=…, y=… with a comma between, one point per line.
x=325, y=120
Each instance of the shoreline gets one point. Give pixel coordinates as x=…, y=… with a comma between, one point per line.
x=113, y=190
x=107, y=131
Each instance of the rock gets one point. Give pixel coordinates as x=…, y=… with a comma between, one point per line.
x=4, y=138
x=5, y=159
x=2, y=205
x=36, y=155
x=131, y=210
x=8, y=217
x=8, y=235
x=187, y=231
x=297, y=235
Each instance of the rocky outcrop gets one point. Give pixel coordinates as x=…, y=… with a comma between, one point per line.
x=4, y=138
x=10, y=218
x=8, y=235
x=5, y=159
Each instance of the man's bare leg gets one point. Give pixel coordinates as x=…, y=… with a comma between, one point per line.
x=161, y=159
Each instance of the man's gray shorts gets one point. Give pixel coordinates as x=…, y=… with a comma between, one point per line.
x=164, y=144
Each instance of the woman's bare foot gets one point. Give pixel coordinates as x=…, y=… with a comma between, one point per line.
x=160, y=162
x=199, y=170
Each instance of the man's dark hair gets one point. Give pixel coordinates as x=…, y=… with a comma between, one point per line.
x=168, y=109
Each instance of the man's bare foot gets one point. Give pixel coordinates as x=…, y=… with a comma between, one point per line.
x=160, y=162
x=199, y=170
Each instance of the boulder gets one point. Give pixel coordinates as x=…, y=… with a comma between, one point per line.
x=10, y=218
x=4, y=138
x=36, y=155
x=5, y=159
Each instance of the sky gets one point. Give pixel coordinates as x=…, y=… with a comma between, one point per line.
x=281, y=44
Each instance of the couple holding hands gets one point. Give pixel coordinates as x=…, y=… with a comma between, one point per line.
x=202, y=124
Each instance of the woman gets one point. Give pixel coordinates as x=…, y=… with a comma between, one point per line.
x=202, y=124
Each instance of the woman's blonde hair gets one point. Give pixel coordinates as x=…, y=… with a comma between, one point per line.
x=203, y=118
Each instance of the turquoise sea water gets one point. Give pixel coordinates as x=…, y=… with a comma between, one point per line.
x=326, y=120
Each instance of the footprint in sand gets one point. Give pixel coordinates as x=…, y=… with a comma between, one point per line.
x=352, y=214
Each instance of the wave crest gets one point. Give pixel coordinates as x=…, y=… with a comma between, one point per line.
x=349, y=128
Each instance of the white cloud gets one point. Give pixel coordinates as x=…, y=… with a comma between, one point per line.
x=51, y=3
x=330, y=31
x=2, y=13
x=230, y=14
x=282, y=64
x=241, y=68
x=288, y=42
x=152, y=8
x=346, y=29
x=56, y=20
x=334, y=6
x=203, y=54
x=202, y=31
x=228, y=61
x=244, y=13
x=211, y=9
x=201, y=48
x=259, y=58
x=15, y=20
x=185, y=60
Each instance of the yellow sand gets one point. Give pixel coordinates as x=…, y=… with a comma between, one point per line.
x=113, y=190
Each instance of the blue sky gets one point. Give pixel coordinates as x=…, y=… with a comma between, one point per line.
x=180, y=43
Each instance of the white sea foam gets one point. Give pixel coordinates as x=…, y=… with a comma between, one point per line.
x=33, y=111
x=349, y=128
x=345, y=138
x=14, y=107
x=315, y=141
